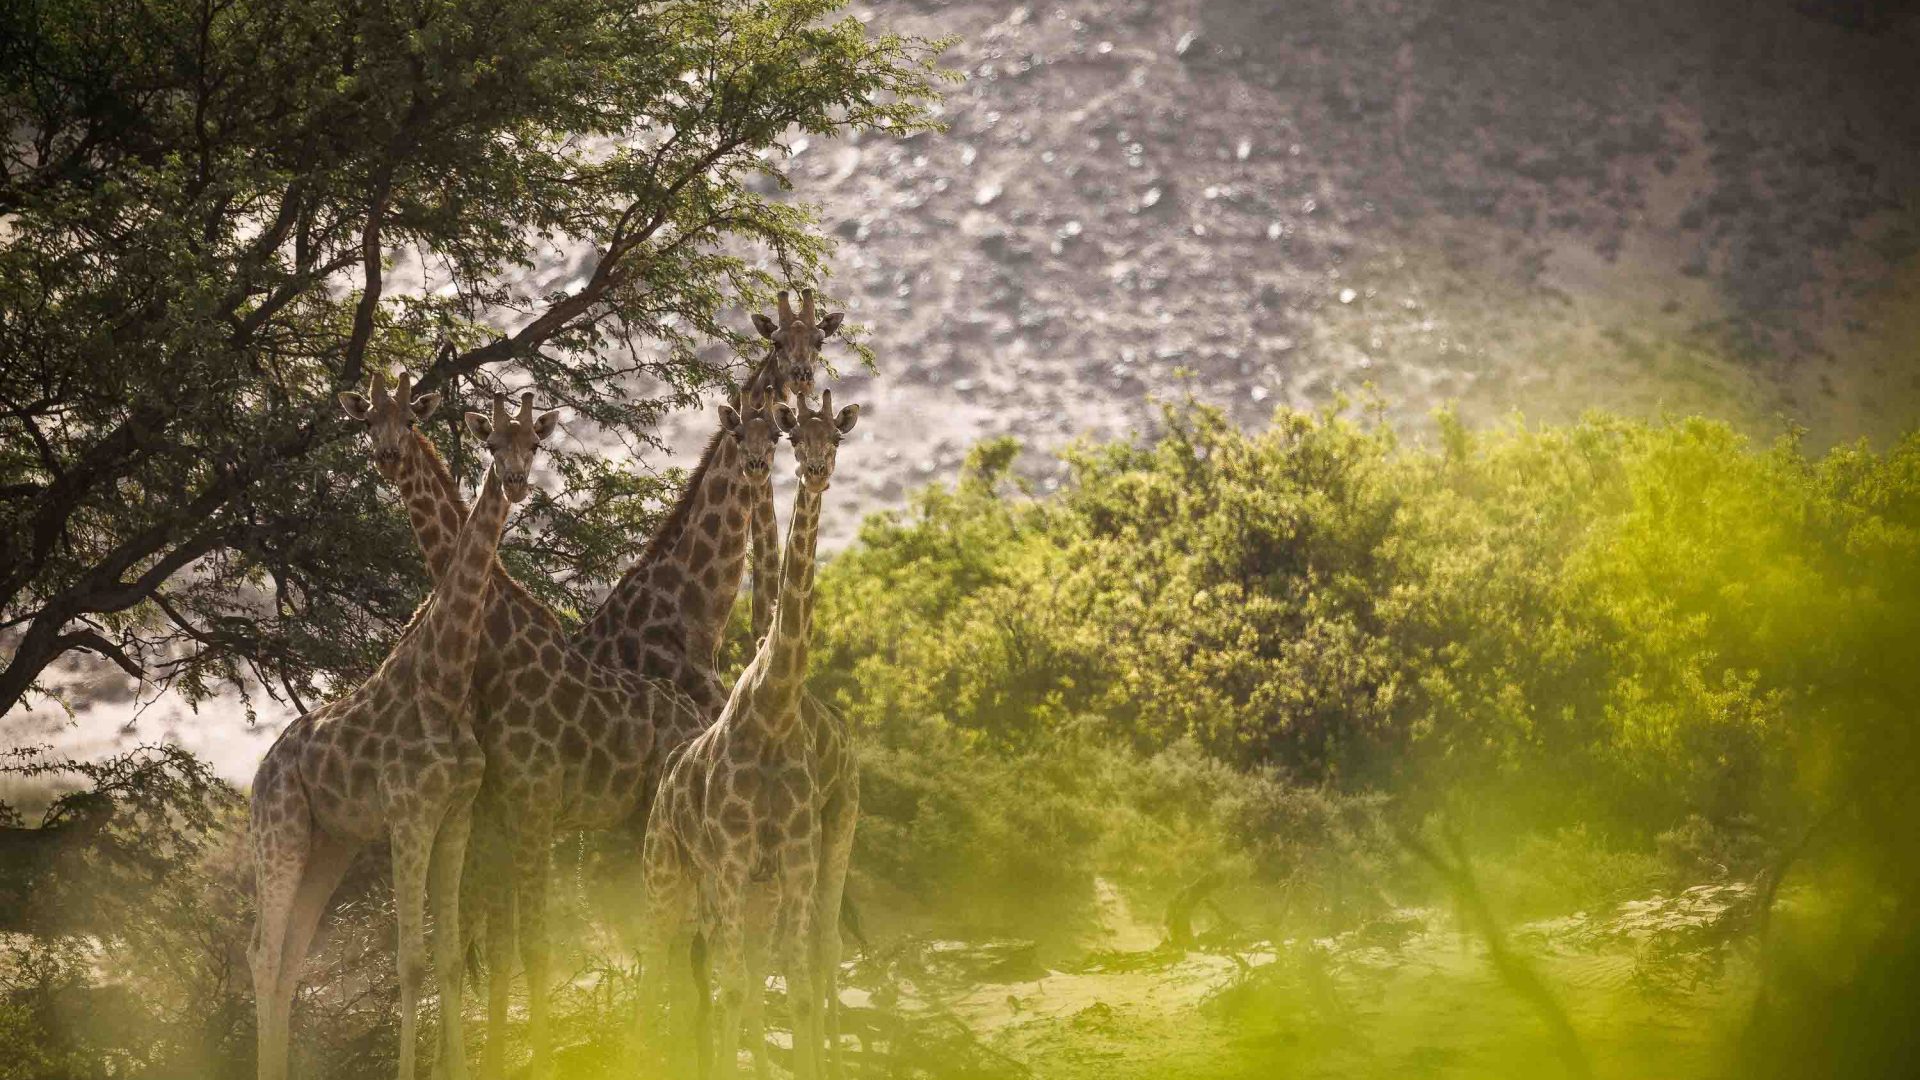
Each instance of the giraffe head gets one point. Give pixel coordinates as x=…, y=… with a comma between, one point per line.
x=815, y=437
x=512, y=439
x=389, y=417
x=796, y=342
x=749, y=422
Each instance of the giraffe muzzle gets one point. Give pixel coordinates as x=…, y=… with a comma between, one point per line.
x=800, y=380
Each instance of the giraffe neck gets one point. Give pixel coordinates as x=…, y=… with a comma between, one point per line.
x=450, y=637
x=761, y=390
x=433, y=503
x=783, y=672
x=689, y=573
x=766, y=558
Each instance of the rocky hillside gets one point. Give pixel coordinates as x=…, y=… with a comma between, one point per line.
x=1512, y=204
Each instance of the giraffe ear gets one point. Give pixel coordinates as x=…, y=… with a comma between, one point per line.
x=729, y=419
x=784, y=417
x=480, y=425
x=356, y=406
x=846, y=418
x=423, y=407
x=831, y=323
x=763, y=324
x=544, y=424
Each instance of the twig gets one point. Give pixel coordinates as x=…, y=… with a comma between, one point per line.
x=1512, y=968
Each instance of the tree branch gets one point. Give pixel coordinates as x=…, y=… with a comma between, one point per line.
x=370, y=255
x=608, y=272
x=121, y=595
x=91, y=641
x=1512, y=968
x=270, y=240
x=67, y=492
x=290, y=290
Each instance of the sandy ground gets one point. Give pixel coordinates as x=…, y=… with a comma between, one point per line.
x=1647, y=988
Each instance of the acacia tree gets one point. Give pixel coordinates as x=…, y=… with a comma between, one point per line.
x=202, y=205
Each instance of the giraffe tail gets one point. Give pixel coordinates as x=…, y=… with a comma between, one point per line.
x=850, y=921
x=697, y=956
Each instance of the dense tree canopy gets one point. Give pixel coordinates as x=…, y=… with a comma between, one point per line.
x=206, y=211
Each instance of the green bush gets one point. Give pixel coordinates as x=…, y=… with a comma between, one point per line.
x=1616, y=625
x=136, y=966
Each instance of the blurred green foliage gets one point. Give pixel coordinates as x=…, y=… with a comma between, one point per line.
x=1318, y=685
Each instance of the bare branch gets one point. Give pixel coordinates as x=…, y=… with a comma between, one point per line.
x=92, y=641
x=370, y=256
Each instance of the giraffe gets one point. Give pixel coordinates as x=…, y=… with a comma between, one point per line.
x=835, y=765
x=738, y=803
x=835, y=768
x=568, y=743
x=395, y=758
x=796, y=339
x=667, y=615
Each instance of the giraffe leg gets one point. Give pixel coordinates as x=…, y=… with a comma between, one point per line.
x=757, y=944
x=327, y=862
x=531, y=858
x=667, y=889
x=689, y=1002
x=837, y=825
x=725, y=933
x=412, y=844
x=449, y=857
x=475, y=876
x=281, y=840
x=798, y=955
x=500, y=938
x=487, y=884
